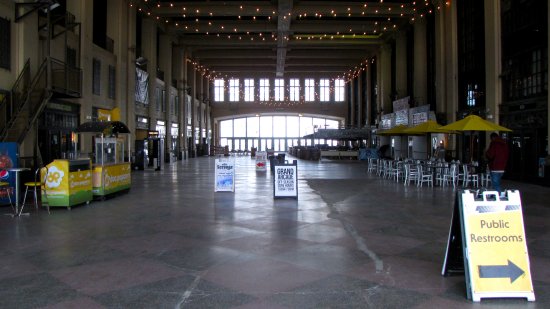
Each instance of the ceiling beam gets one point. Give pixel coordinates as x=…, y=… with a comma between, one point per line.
x=283, y=31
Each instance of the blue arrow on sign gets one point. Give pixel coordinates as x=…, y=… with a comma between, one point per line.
x=511, y=271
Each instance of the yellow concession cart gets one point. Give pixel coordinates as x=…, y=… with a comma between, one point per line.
x=67, y=183
x=111, y=165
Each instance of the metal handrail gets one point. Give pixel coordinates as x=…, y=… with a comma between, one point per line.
x=9, y=107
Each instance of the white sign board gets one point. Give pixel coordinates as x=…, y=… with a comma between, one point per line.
x=225, y=175
x=261, y=161
x=285, y=181
x=496, y=260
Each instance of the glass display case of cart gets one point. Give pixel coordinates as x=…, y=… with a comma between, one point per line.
x=111, y=164
x=109, y=150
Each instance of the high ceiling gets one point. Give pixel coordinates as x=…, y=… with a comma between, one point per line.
x=284, y=37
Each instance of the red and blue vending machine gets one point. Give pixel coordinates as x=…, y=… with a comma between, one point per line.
x=9, y=158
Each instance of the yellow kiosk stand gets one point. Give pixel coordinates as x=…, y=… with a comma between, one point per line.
x=67, y=183
x=111, y=168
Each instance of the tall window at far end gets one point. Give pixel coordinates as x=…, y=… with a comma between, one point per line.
x=264, y=89
x=219, y=90
x=339, y=90
x=279, y=89
x=234, y=90
x=294, y=89
x=309, y=95
x=249, y=90
x=324, y=90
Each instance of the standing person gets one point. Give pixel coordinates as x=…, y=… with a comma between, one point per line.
x=497, y=154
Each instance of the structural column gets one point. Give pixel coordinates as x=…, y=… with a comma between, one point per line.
x=199, y=101
x=178, y=59
x=401, y=64
x=149, y=45
x=86, y=61
x=493, y=59
x=165, y=64
x=359, y=99
x=384, y=79
x=127, y=73
x=186, y=107
x=420, y=60
x=446, y=64
x=368, y=95
x=352, y=100
x=193, y=93
x=207, y=111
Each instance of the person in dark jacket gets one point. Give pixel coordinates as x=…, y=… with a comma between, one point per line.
x=497, y=154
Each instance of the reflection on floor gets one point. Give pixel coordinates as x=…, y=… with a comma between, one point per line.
x=350, y=240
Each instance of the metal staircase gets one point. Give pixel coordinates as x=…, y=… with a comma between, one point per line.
x=21, y=108
x=27, y=100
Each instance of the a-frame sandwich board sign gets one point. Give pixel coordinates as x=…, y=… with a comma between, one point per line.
x=489, y=228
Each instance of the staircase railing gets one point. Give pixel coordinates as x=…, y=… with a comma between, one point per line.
x=27, y=101
x=12, y=103
x=5, y=111
x=66, y=79
x=38, y=92
x=29, y=97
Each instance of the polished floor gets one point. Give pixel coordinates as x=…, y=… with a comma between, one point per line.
x=350, y=240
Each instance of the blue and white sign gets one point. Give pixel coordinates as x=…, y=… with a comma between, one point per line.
x=225, y=175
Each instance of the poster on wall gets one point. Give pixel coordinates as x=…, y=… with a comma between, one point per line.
x=142, y=82
x=285, y=182
x=225, y=175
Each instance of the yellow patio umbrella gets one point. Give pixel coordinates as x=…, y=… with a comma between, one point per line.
x=474, y=123
x=397, y=130
x=429, y=126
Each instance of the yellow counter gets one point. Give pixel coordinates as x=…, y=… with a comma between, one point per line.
x=111, y=178
x=68, y=183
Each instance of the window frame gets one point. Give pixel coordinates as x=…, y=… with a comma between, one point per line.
x=249, y=90
x=96, y=76
x=339, y=90
x=309, y=90
x=324, y=90
x=234, y=87
x=279, y=89
x=264, y=89
x=294, y=89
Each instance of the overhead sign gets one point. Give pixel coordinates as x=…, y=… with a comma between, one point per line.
x=285, y=182
x=496, y=260
x=225, y=175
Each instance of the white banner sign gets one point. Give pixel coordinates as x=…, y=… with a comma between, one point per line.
x=225, y=175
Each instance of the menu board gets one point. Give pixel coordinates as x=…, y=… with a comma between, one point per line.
x=402, y=117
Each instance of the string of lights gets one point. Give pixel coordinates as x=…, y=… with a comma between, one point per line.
x=413, y=10
x=193, y=20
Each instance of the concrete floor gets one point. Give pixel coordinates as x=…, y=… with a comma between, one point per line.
x=351, y=240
